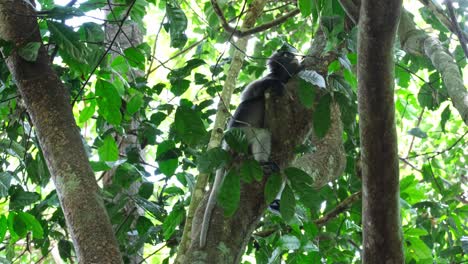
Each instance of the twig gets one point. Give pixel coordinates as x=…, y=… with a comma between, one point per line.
x=439, y=151
x=105, y=53
x=456, y=26
x=240, y=33
x=341, y=207
x=412, y=139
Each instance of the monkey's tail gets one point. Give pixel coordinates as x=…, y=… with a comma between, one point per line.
x=210, y=206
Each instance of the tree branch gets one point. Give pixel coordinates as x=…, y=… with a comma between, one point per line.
x=247, y=32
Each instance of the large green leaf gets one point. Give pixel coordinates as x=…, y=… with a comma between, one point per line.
x=68, y=41
x=189, y=126
x=322, y=116
x=287, y=204
x=272, y=187
x=108, y=151
x=177, y=24
x=109, y=102
x=229, y=195
x=167, y=157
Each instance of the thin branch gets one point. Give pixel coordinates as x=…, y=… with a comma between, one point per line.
x=341, y=207
x=153, y=55
x=440, y=15
x=244, y=33
x=350, y=9
x=178, y=54
x=409, y=164
x=457, y=28
x=105, y=53
x=412, y=139
x=440, y=151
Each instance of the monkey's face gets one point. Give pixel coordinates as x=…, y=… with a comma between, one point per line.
x=284, y=63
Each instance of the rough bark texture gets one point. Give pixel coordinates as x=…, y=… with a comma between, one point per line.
x=382, y=237
x=185, y=252
x=48, y=104
x=291, y=124
x=417, y=42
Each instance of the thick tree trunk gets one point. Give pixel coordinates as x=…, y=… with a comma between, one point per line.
x=48, y=104
x=382, y=237
x=290, y=123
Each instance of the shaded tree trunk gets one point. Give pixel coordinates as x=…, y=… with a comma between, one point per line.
x=48, y=104
x=290, y=123
x=382, y=237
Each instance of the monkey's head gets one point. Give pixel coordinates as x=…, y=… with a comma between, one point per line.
x=283, y=65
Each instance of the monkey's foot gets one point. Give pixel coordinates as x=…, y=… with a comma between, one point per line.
x=269, y=167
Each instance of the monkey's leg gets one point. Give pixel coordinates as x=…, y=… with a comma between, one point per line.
x=260, y=143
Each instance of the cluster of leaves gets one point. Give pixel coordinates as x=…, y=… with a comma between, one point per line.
x=175, y=113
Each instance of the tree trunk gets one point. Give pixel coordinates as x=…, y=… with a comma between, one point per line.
x=382, y=237
x=290, y=123
x=48, y=105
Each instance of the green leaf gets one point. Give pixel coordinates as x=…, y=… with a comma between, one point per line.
x=120, y=65
x=109, y=150
x=16, y=225
x=298, y=176
x=177, y=24
x=19, y=198
x=418, y=248
x=67, y=40
x=417, y=132
x=146, y=190
x=126, y=174
x=229, y=195
x=32, y=224
x=306, y=93
x=290, y=242
x=237, y=140
x=189, y=126
x=29, y=51
x=5, y=180
x=212, y=159
x=173, y=220
x=135, y=58
x=3, y=227
x=251, y=170
x=179, y=86
x=109, y=102
x=167, y=157
x=92, y=32
x=87, y=112
x=444, y=117
x=288, y=204
x=350, y=79
x=135, y=103
x=322, y=118
x=305, y=6
x=427, y=97
x=65, y=249
x=272, y=187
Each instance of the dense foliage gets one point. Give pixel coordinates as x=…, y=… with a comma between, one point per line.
x=170, y=84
